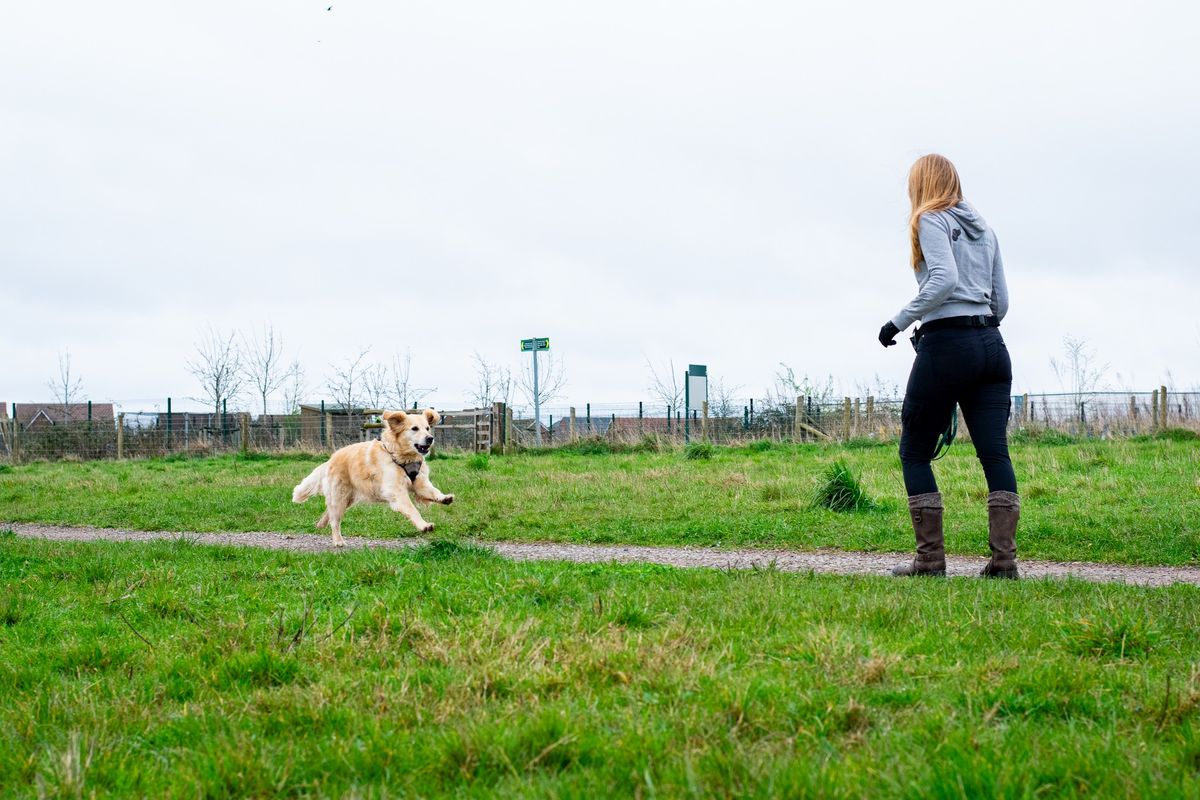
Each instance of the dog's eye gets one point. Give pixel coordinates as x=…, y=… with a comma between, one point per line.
x=415, y=428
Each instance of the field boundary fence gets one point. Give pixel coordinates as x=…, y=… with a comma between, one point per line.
x=27, y=436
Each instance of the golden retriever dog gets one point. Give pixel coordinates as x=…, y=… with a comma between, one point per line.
x=384, y=470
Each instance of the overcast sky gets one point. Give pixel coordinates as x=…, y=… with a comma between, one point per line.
x=717, y=183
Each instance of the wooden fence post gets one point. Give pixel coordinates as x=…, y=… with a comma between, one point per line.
x=870, y=414
x=571, y=426
x=1025, y=410
x=846, y=417
x=1154, y=410
x=704, y=421
x=121, y=436
x=244, y=425
x=1164, y=413
x=796, y=419
x=328, y=431
x=508, y=427
x=857, y=415
x=16, y=439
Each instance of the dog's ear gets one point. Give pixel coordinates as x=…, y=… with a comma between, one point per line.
x=394, y=420
x=433, y=417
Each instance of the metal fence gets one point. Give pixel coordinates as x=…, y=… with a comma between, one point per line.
x=133, y=434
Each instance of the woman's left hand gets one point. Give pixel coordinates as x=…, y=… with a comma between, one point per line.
x=888, y=333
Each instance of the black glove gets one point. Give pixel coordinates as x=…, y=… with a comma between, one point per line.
x=887, y=334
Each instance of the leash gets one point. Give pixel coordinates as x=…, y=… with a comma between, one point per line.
x=946, y=437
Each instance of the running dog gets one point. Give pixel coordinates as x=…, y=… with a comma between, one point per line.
x=385, y=470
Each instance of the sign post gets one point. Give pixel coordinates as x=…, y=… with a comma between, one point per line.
x=535, y=346
x=695, y=395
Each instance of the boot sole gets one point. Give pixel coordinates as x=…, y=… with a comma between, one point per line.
x=1002, y=574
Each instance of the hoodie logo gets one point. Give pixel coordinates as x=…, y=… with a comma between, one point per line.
x=955, y=234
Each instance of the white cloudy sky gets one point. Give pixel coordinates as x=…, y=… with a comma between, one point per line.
x=719, y=183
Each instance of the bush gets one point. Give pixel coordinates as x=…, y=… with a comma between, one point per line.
x=840, y=490
x=1177, y=435
x=479, y=461
x=698, y=451
x=1045, y=436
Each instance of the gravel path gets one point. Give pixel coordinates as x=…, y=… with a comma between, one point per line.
x=830, y=561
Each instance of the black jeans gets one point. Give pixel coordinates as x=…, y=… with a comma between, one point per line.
x=969, y=367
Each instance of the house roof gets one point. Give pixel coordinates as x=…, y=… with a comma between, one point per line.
x=332, y=408
x=56, y=412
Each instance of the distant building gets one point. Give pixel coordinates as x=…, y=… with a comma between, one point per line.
x=40, y=416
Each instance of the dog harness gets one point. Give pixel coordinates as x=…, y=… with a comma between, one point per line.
x=410, y=468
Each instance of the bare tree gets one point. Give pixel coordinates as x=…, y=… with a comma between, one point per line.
x=345, y=384
x=401, y=389
x=551, y=380
x=376, y=386
x=665, y=385
x=67, y=388
x=722, y=399
x=788, y=387
x=264, y=363
x=218, y=366
x=493, y=383
x=294, y=388
x=1078, y=371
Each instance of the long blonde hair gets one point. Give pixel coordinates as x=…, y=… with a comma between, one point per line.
x=932, y=186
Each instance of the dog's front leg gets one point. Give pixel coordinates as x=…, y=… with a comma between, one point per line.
x=425, y=490
x=399, y=502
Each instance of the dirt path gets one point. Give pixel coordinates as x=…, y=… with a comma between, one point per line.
x=830, y=561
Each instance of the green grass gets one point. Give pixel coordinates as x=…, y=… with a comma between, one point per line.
x=1120, y=501
x=174, y=670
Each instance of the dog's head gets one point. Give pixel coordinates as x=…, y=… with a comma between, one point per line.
x=411, y=431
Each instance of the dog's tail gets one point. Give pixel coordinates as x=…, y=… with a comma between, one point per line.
x=310, y=485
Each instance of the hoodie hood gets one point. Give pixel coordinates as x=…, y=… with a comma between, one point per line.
x=965, y=215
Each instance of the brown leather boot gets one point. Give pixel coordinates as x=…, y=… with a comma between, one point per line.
x=1004, y=509
x=926, y=513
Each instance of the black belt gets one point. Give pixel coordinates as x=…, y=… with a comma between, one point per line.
x=977, y=321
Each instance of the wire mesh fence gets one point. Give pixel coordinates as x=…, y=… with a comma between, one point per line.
x=41, y=432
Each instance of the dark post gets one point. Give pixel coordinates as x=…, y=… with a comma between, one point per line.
x=745, y=418
x=751, y=409
x=170, y=424
x=225, y=421
x=550, y=430
x=589, y=418
x=322, y=420
x=641, y=420
x=612, y=427
x=669, y=412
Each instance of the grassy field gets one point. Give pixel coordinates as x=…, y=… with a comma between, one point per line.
x=1120, y=501
x=178, y=670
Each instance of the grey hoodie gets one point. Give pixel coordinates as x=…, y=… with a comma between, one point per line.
x=961, y=273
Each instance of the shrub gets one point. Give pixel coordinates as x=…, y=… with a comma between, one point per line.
x=1177, y=435
x=697, y=451
x=841, y=491
x=479, y=461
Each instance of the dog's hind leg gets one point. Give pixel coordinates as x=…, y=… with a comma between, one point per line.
x=336, y=503
x=323, y=521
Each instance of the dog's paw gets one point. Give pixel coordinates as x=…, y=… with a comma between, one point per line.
x=339, y=542
x=428, y=527
x=447, y=500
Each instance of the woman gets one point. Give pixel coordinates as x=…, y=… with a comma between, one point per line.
x=961, y=360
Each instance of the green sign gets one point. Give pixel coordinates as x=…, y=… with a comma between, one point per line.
x=533, y=345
